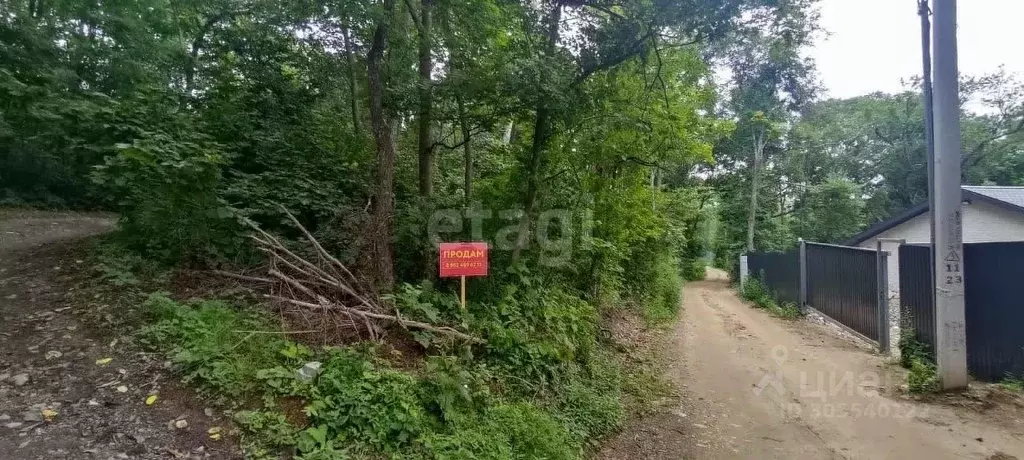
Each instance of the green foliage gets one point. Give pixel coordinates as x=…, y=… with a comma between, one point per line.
x=504, y=431
x=911, y=349
x=661, y=291
x=534, y=330
x=755, y=291
x=356, y=402
x=169, y=206
x=186, y=117
x=360, y=407
x=830, y=212
x=695, y=270
x=787, y=310
x=1012, y=384
x=922, y=377
x=124, y=268
x=917, y=358
x=266, y=433
x=590, y=400
x=208, y=344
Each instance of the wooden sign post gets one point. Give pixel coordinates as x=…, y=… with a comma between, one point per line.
x=462, y=260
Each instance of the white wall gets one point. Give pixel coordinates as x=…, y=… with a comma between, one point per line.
x=983, y=223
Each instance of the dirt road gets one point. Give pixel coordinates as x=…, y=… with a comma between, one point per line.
x=59, y=396
x=761, y=387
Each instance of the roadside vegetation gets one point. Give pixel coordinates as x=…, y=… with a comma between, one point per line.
x=757, y=293
x=1013, y=384
x=283, y=172
x=916, y=357
x=546, y=385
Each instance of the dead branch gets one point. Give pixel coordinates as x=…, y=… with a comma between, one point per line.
x=366, y=314
x=325, y=290
x=253, y=279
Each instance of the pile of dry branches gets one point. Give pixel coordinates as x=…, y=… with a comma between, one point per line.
x=326, y=288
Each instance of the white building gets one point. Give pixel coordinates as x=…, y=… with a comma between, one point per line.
x=990, y=214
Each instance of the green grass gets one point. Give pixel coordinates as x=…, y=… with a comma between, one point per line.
x=756, y=292
x=1013, y=384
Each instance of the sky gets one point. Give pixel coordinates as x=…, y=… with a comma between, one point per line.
x=872, y=44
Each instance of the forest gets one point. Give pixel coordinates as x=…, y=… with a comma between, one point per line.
x=606, y=150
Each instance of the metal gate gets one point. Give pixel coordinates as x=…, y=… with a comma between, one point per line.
x=843, y=284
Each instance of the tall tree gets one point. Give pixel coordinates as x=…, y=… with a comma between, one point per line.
x=382, y=220
x=424, y=25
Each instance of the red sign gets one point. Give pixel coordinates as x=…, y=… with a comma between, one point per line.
x=463, y=259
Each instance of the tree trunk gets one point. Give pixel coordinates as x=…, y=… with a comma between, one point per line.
x=426, y=141
x=467, y=148
x=513, y=134
x=507, y=137
x=382, y=220
x=353, y=97
x=755, y=175
x=541, y=132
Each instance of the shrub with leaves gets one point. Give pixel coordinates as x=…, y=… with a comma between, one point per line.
x=922, y=377
x=534, y=330
x=911, y=348
x=169, y=205
x=917, y=358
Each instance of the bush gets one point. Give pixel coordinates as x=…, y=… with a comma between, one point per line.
x=755, y=291
x=504, y=431
x=695, y=270
x=169, y=205
x=916, y=356
x=911, y=349
x=922, y=377
x=357, y=402
x=534, y=331
x=787, y=310
x=590, y=400
x=659, y=292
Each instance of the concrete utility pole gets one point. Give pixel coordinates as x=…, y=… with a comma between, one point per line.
x=929, y=122
x=951, y=340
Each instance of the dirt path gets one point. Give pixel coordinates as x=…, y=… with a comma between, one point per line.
x=761, y=387
x=49, y=353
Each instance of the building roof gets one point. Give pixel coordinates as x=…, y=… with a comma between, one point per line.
x=1009, y=195
x=1008, y=198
